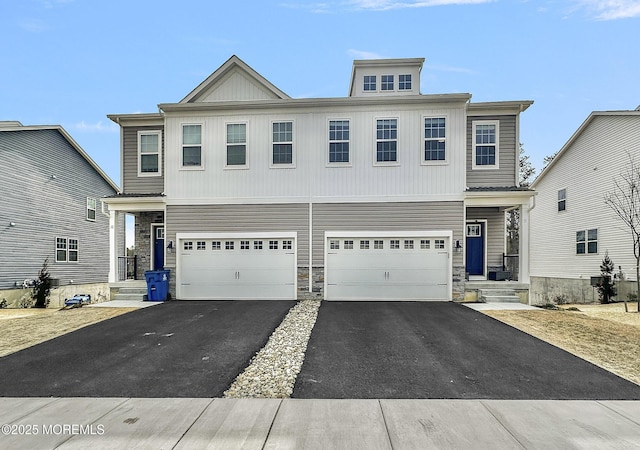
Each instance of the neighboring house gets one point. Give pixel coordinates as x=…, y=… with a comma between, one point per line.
x=50, y=208
x=244, y=192
x=571, y=227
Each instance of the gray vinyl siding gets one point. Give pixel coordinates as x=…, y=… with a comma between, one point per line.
x=418, y=216
x=131, y=182
x=238, y=219
x=505, y=175
x=44, y=208
x=495, y=232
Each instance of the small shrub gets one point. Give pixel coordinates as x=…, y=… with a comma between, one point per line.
x=42, y=288
x=560, y=299
x=632, y=297
x=550, y=306
x=606, y=287
x=3, y=303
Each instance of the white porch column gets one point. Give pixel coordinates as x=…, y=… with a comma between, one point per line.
x=523, y=275
x=113, y=245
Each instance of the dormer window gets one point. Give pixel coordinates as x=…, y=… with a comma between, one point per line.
x=386, y=83
x=404, y=82
x=370, y=83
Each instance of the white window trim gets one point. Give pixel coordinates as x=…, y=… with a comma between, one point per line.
x=67, y=250
x=375, y=142
x=393, y=82
x=159, y=172
x=377, y=83
x=328, y=156
x=558, y=210
x=182, y=145
x=245, y=166
x=293, y=145
x=473, y=144
x=444, y=162
x=404, y=75
x=94, y=209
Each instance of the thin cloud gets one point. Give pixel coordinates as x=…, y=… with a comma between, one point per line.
x=361, y=54
x=34, y=25
x=376, y=5
x=99, y=126
x=610, y=9
x=385, y=5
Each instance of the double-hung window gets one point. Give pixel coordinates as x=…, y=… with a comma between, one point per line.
x=282, y=143
x=370, y=83
x=486, y=144
x=236, y=144
x=435, y=139
x=404, y=82
x=386, y=140
x=386, y=83
x=149, y=153
x=587, y=241
x=91, y=208
x=562, y=200
x=191, y=145
x=338, y=141
x=66, y=249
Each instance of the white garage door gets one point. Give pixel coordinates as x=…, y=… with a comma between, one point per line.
x=400, y=267
x=234, y=267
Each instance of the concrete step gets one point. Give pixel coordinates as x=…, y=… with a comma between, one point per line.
x=133, y=290
x=498, y=296
x=129, y=297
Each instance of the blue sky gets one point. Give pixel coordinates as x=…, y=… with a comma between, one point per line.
x=72, y=62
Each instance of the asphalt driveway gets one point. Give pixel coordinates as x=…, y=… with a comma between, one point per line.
x=440, y=350
x=177, y=349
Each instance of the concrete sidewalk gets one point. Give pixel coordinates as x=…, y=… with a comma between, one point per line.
x=293, y=424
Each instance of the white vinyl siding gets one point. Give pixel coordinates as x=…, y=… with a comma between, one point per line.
x=580, y=170
x=314, y=176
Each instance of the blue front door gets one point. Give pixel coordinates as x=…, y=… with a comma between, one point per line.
x=158, y=248
x=475, y=248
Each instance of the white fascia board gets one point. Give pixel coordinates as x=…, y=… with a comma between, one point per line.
x=144, y=119
x=500, y=199
x=316, y=103
x=135, y=203
x=315, y=199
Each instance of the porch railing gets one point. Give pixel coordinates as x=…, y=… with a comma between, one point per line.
x=127, y=267
x=511, y=263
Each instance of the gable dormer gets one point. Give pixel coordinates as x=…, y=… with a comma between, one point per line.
x=234, y=81
x=375, y=77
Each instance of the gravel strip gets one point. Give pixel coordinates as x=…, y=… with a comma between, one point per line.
x=273, y=370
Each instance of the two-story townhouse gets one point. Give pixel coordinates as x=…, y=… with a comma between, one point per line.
x=50, y=209
x=573, y=228
x=244, y=192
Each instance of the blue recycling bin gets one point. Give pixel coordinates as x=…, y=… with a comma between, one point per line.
x=157, y=285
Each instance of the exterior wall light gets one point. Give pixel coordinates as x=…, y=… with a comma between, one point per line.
x=12, y=224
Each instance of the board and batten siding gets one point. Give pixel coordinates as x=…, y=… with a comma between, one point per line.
x=587, y=170
x=236, y=85
x=45, y=184
x=418, y=216
x=131, y=182
x=505, y=174
x=239, y=219
x=311, y=176
x=495, y=232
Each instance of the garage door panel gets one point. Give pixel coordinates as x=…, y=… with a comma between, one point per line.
x=237, y=268
x=387, y=268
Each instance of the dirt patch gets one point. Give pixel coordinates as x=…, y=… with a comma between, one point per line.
x=602, y=334
x=22, y=328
